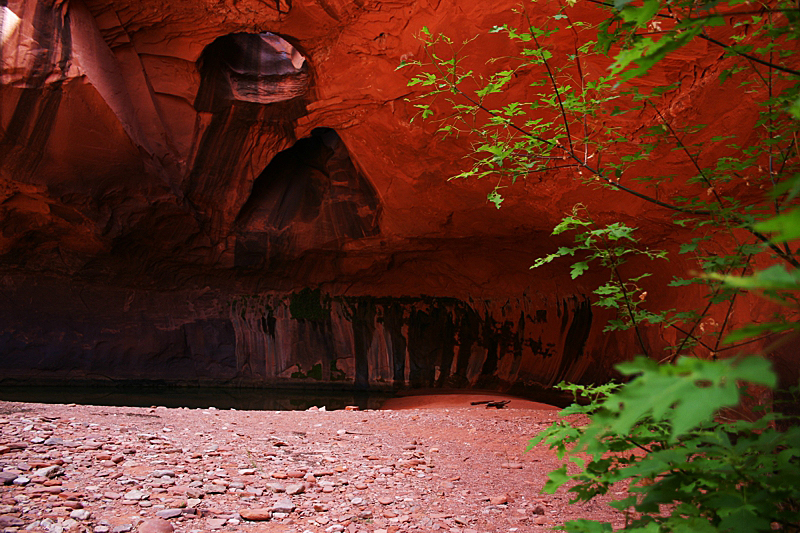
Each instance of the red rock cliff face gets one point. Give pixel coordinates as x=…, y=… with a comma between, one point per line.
x=235, y=192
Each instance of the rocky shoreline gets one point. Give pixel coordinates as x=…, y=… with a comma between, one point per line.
x=448, y=467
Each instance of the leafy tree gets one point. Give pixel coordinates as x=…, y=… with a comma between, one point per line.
x=684, y=471
x=740, y=188
x=686, y=468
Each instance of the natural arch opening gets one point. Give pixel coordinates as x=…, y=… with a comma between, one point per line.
x=311, y=196
x=260, y=68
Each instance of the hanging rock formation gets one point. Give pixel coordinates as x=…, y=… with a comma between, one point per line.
x=235, y=192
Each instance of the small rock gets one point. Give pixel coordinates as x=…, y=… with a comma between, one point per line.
x=124, y=528
x=276, y=487
x=385, y=500
x=80, y=514
x=49, y=471
x=499, y=500
x=194, y=493
x=216, y=523
x=513, y=466
x=7, y=478
x=255, y=491
x=155, y=525
x=215, y=489
x=256, y=515
x=11, y=521
x=135, y=495
x=169, y=513
x=295, y=488
x=283, y=506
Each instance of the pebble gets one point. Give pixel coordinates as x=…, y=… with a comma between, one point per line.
x=80, y=514
x=295, y=488
x=11, y=521
x=216, y=523
x=283, y=506
x=256, y=514
x=499, y=500
x=135, y=495
x=49, y=471
x=276, y=487
x=96, y=473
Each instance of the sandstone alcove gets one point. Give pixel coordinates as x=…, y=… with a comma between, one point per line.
x=310, y=196
x=254, y=87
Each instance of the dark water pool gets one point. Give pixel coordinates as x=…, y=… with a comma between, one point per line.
x=194, y=397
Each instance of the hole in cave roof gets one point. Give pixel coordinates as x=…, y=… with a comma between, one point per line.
x=261, y=68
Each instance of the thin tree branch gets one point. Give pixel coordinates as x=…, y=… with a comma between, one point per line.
x=748, y=56
x=553, y=83
x=689, y=335
x=715, y=41
x=589, y=168
x=686, y=151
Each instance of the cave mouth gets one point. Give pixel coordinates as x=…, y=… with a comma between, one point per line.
x=310, y=196
x=259, y=68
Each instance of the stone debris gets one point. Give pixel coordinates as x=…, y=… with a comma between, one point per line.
x=84, y=469
x=256, y=514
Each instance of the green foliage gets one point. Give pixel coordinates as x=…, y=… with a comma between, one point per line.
x=684, y=470
x=608, y=247
x=737, y=204
x=734, y=203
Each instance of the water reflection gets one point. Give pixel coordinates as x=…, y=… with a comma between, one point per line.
x=196, y=397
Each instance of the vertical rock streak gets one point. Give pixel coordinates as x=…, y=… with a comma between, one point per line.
x=426, y=342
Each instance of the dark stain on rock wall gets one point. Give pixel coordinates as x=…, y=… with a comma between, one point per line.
x=50, y=331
